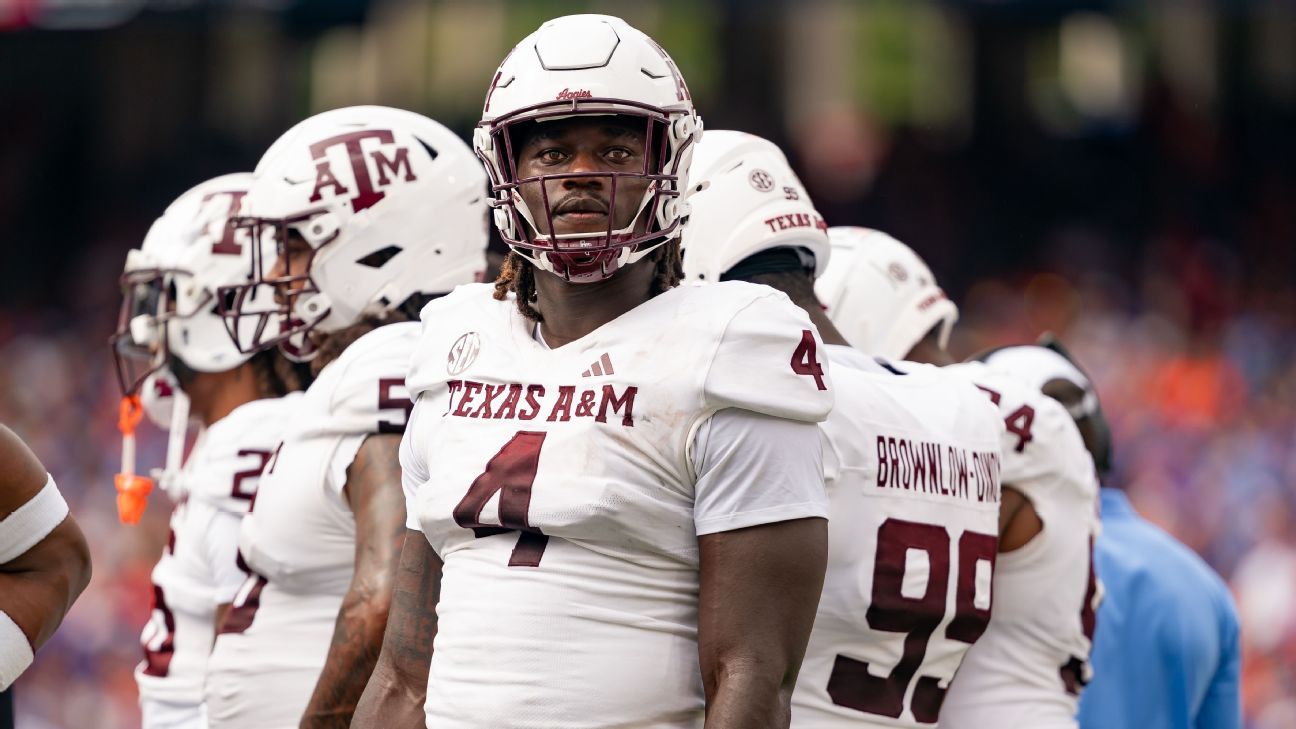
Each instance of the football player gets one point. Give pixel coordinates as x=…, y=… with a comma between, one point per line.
x=1029, y=666
x=171, y=285
x=615, y=485
x=374, y=210
x=44, y=561
x=1167, y=648
x=911, y=462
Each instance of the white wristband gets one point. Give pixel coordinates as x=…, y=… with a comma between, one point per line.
x=15, y=652
x=32, y=522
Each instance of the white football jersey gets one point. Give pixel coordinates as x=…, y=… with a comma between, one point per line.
x=1029, y=666
x=197, y=571
x=298, y=544
x=568, y=488
x=912, y=466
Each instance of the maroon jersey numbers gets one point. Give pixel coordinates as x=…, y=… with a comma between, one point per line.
x=1073, y=671
x=240, y=491
x=1018, y=422
x=511, y=471
x=852, y=683
x=388, y=401
x=159, y=637
x=805, y=360
x=246, y=601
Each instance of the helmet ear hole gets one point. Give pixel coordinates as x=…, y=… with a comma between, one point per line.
x=432, y=153
x=380, y=257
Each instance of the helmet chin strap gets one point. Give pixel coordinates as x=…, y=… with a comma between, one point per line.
x=312, y=307
x=168, y=477
x=298, y=348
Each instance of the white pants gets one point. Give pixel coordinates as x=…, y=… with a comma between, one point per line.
x=166, y=715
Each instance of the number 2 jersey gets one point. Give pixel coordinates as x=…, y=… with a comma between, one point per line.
x=565, y=490
x=912, y=466
x=197, y=570
x=298, y=544
x=1029, y=666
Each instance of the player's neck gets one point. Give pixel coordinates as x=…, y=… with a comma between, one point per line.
x=213, y=395
x=827, y=331
x=572, y=311
x=928, y=352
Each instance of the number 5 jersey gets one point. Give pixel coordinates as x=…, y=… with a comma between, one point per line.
x=297, y=546
x=565, y=490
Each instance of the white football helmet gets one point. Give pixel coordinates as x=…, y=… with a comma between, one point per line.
x=170, y=285
x=745, y=199
x=392, y=204
x=589, y=65
x=881, y=295
x=169, y=318
x=1038, y=365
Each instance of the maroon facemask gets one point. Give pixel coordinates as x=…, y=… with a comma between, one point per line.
x=267, y=300
x=583, y=257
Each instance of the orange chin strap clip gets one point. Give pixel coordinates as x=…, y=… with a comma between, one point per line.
x=132, y=489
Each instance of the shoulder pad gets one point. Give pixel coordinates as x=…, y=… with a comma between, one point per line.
x=768, y=358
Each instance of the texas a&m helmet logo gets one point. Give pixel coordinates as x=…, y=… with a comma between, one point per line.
x=390, y=163
x=226, y=243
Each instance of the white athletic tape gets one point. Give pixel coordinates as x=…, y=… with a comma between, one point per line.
x=15, y=652
x=32, y=522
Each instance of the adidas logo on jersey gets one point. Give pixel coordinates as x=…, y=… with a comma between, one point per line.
x=600, y=368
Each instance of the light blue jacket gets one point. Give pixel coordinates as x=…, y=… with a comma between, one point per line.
x=1166, y=653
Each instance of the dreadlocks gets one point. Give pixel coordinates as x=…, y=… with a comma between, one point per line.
x=517, y=275
x=276, y=376
x=332, y=345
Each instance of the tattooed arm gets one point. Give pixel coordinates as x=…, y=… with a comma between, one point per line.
x=373, y=490
x=395, y=695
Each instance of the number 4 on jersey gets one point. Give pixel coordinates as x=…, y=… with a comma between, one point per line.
x=805, y=359
x=1018, y=422
x=510, y=472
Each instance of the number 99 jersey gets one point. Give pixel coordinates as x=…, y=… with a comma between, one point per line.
x=1029, y=667
x=565, y=489
x=912, y=464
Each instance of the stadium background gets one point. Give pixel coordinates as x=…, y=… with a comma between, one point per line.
x=1121, y=173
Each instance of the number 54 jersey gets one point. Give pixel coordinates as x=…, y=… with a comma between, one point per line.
x=912, y=464
x=1031, y=664
x=565, y=489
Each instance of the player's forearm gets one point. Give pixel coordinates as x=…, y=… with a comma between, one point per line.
x=392, y=700
x=357, y=639
x=374, y=494
x=398, y=689
x=750, y=695
x=38, y=588
x=759, y=590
